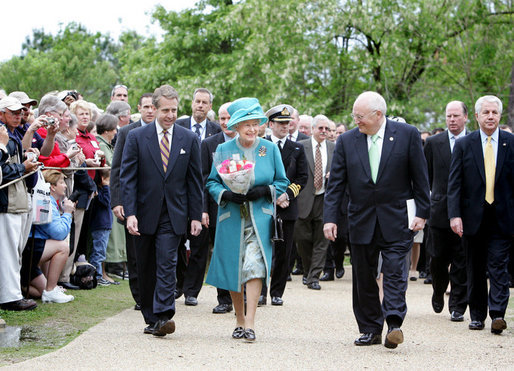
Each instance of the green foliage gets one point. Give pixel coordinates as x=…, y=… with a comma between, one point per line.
x=316, y=55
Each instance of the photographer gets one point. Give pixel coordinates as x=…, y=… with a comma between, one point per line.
x=47, y=249
x=52, y=121
x=15, y=209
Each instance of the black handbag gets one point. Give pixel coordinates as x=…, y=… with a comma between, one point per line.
x=277, y=233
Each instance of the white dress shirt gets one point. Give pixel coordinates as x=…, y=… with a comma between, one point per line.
x=494, y=142
x=169, y=133
x=203, y=124
x=453, y=138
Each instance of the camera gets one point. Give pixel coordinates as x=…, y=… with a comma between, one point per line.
x=50, y=121
x=31, y=156
x=73, y=144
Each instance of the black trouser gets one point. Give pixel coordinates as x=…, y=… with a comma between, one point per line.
x=280, y=262
x=130, y=246
x=156, y=264
x=194, y=271
x=488, y=251
x=368, y=311
x=448, y=252
x=335, y=254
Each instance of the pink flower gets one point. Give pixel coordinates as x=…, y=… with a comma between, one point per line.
x=225, y=163
x=223, y=170
x=248, y=165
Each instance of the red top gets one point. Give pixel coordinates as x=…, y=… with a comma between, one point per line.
x=89, y=145
x=56, y=158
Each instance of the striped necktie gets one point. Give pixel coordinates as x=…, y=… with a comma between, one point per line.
x=318, y=169
x=165, y=149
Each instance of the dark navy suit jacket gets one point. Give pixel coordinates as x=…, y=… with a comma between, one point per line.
x=211, y=128
x=466, y=185
x=145, y=186
x=402, y=175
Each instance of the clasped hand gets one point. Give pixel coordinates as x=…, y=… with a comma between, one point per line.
x=252, y=195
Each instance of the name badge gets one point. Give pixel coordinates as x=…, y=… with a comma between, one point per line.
x=95, y=145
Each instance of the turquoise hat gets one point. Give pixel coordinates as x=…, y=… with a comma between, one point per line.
x=244, y=109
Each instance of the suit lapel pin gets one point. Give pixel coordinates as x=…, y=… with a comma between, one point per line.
x=391, y=139
x=504, y=144
x=182, y=151
x=262, y=151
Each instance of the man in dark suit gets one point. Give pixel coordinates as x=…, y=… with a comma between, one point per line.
x=147, y=110
x=191, y=270
x=295, y=163
x=161, y=187
x=481, y=208
x=448, y=262
x=312, y=244
x=294, y=135
x=382, y=166
x=210, y=207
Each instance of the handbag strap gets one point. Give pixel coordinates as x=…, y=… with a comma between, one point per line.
x=274, y=199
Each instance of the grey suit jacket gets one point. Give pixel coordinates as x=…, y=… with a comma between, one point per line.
x=306, y=197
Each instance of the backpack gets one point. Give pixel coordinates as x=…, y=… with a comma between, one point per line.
x=84, y=276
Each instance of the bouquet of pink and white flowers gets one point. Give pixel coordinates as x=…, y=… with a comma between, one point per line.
x=236, y=173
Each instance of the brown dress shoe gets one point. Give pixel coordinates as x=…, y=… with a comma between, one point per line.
x=163, y=327
x=22, y=304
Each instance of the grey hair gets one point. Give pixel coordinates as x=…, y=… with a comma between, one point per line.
x=51, y=103
x=203, y=90
x=118, y=108
x=319, y=118
x=376, y=102
x=489, y=99
x=106, y=122
x=113, y=91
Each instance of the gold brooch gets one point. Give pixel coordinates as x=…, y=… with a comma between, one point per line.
x=262, y=151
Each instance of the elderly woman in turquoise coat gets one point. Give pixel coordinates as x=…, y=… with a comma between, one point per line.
x=242, y=247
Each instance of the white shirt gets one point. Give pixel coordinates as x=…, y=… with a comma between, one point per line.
x=293, y=136
x=324, y=160
x=202, y=129
x=275, y=140
x=159, y=129
x=494, y=142
x=453, y=138
x=380, y=140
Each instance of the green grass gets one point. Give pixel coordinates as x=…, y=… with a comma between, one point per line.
x=51, y=326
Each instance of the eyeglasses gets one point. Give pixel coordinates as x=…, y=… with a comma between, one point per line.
x=323, y=128
x=361, y=117
x=119, y=86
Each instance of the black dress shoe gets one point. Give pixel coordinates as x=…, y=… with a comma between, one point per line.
x=163, y=327
x=191, y=301
x=304, y=280
x=297, y=272
x=393, y=338
x=137, y=306
x=222, y=308
x=289, y=279
x=329, y=276
x=68, y=285
x=262, y=301
x=275, y=300
x=340, y=272
x=178, y=293
x=437, y=303
x=314, y=286
x=456, y=317
x=476, y=325
x=22, y=304
x=498, y=325
x=368, y=339
x=249, y=335
x=428, y=280
x=422, y=274
x=149, y=329
x=238, y=333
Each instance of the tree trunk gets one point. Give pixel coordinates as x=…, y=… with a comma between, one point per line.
x=510, y=109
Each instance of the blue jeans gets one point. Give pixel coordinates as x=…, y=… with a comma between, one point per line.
x=100, y=240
